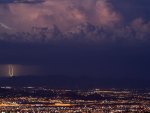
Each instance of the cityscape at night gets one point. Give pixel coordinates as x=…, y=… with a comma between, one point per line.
x=74, y=56
x=45, y=100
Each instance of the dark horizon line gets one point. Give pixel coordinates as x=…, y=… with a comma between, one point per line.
x=65, y=82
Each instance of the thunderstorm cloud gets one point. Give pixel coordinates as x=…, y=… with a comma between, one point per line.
x=64, y=13
x=83, y=19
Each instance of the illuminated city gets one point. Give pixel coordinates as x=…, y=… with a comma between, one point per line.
x=74, y=56
x=31, y=99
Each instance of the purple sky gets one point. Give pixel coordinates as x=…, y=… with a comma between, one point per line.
x=100, y=38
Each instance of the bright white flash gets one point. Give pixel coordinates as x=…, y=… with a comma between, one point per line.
x=11, y=71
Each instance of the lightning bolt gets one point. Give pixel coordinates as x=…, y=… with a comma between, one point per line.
x=11, y=71
x=5, y=26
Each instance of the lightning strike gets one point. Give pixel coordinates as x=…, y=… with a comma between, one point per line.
x=5, y=26
x=11, y=71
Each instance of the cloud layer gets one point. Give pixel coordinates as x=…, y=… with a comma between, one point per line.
x=47, y=20
x=64, y=13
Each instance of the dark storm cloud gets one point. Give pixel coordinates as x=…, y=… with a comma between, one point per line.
x=133, y=9
x=136, y=31
x=97, y=61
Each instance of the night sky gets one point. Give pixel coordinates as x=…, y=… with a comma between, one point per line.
x=97, y=42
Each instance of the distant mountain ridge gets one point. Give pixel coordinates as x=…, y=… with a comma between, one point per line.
x=78, y=82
